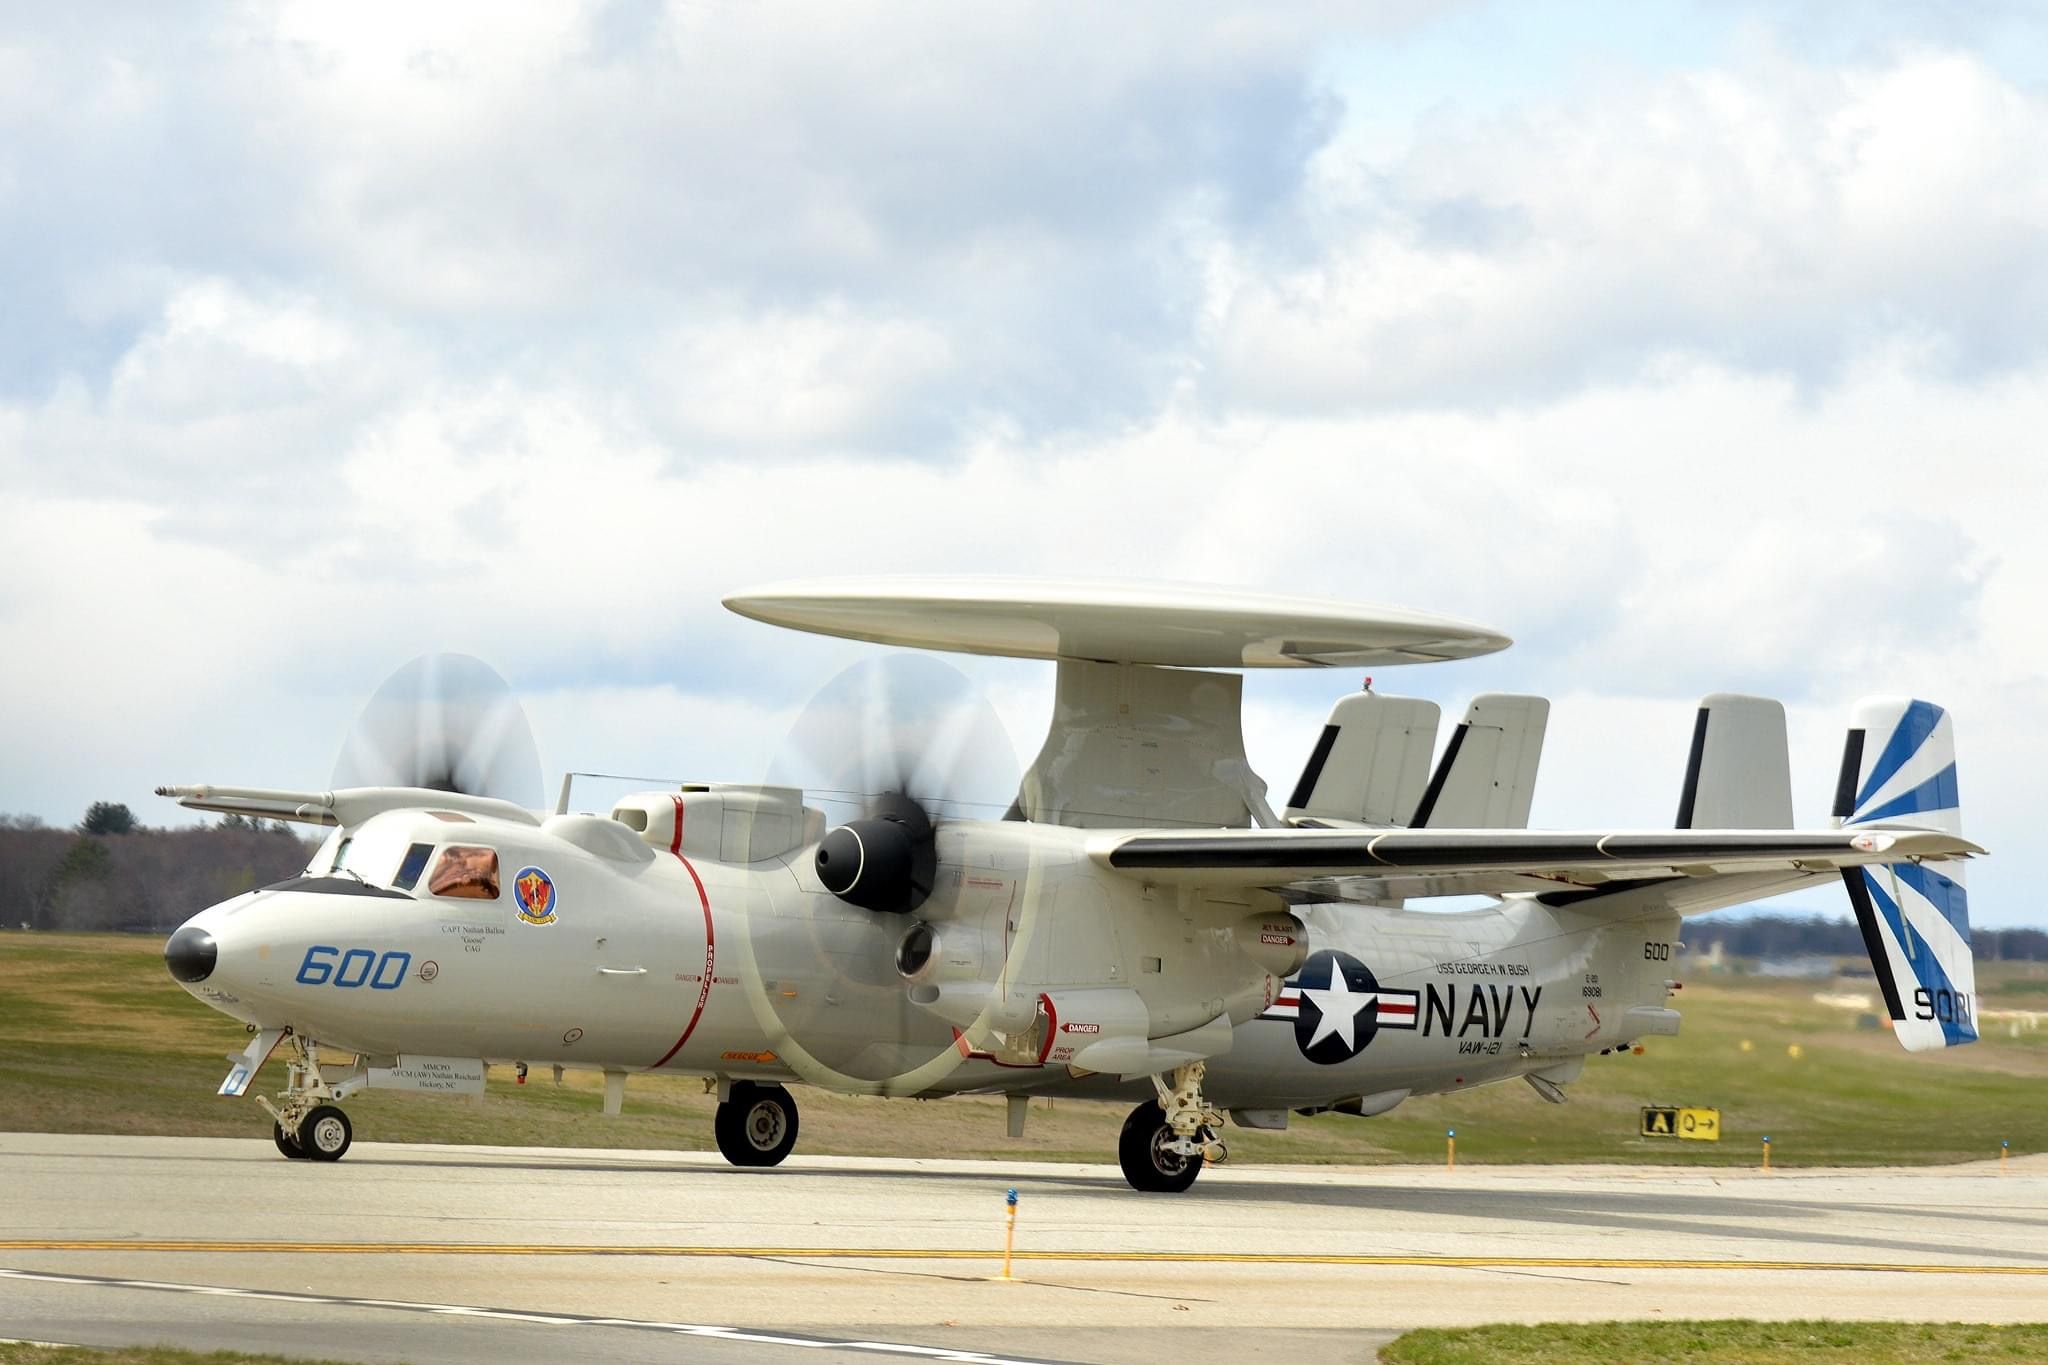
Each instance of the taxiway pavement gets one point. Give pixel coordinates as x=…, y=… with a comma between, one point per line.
x=464, y=1253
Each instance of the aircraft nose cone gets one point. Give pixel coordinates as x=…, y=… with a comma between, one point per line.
x=190, y=954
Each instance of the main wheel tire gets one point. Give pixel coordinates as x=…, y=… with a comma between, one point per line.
x=1141, y=1151
x=325, y=1133
x=756, y=1126
x=288, y=1145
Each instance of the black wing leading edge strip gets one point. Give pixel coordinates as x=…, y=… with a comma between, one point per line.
x=1436, y=850
x=1557, y=900
x=1692, y=769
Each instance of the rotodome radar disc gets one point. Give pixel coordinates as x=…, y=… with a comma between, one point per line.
x=1165, y=624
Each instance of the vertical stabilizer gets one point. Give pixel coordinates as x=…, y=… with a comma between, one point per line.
x=1739, y=772
x=1899, y=771
x=1486, y=778
x=1370, y=762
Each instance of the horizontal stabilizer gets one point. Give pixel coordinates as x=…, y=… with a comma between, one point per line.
x=1370, y=762
x=1739, y=772
x=1486, y=778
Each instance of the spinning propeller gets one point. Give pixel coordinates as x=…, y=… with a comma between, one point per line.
x=893, y=749
x=444, y=722
x=906, y=741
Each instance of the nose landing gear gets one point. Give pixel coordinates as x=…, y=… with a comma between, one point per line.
x=307, y=1123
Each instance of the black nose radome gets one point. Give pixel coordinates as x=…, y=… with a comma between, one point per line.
x=190, y=954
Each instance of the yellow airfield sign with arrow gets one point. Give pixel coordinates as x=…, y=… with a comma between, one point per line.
x=1681, y=1121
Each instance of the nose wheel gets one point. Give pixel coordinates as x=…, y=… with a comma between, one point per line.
x=306, y=1123
x=325, y=1133
x=755, y=1124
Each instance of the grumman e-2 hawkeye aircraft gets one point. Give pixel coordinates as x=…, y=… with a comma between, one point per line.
x=1139, y=925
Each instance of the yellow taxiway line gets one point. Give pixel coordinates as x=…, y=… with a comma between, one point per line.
x=190, y=1246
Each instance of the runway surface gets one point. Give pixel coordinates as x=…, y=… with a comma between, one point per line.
x=466, y=1253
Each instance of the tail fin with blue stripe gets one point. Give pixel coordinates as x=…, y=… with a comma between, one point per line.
x=1899, y=772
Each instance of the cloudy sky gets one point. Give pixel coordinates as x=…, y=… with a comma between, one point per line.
x=1698, y=347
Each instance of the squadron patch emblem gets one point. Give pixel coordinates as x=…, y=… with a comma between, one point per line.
x=534, y=892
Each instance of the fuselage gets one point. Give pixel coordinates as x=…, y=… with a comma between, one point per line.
x=580, y=943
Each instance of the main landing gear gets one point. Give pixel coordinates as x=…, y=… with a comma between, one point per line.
x=1166, y=1141
x=755, y=1124
x=306, y=1124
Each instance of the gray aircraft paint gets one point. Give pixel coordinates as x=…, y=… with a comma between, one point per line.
x=616, y=978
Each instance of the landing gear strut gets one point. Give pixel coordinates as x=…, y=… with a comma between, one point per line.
x=755, y=1124
x=1165, y=1142
x=307, y=1124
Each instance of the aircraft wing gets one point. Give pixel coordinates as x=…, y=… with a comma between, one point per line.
x=1456, y=862
x=348, y=806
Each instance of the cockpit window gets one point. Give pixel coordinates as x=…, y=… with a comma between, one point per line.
x=415, y=863
x=466, y=873
x=341, y=854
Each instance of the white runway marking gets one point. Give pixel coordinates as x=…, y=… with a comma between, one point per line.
x=692, y=1329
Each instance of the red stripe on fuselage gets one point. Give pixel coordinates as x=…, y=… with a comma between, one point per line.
x=710, y=943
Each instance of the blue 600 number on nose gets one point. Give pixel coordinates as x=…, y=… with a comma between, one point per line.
x=330, y=966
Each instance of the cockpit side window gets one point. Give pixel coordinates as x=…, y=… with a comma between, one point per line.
x=341, y=854
x=466, y=873
x=415, y=863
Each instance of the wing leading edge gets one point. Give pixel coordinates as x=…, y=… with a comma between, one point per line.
x=1457, y=861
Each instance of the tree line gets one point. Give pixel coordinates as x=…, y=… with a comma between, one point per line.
x=1782, y=936
x=112, y=872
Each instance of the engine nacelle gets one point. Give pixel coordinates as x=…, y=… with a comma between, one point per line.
x=1277, y=942
x=726, y=821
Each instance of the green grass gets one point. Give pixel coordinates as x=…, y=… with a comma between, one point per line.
x=1763, y=1343
x=22, y=1354
x=95, y=1037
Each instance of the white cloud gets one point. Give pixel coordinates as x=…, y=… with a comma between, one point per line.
x=1777, y=216
x=782, y=381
